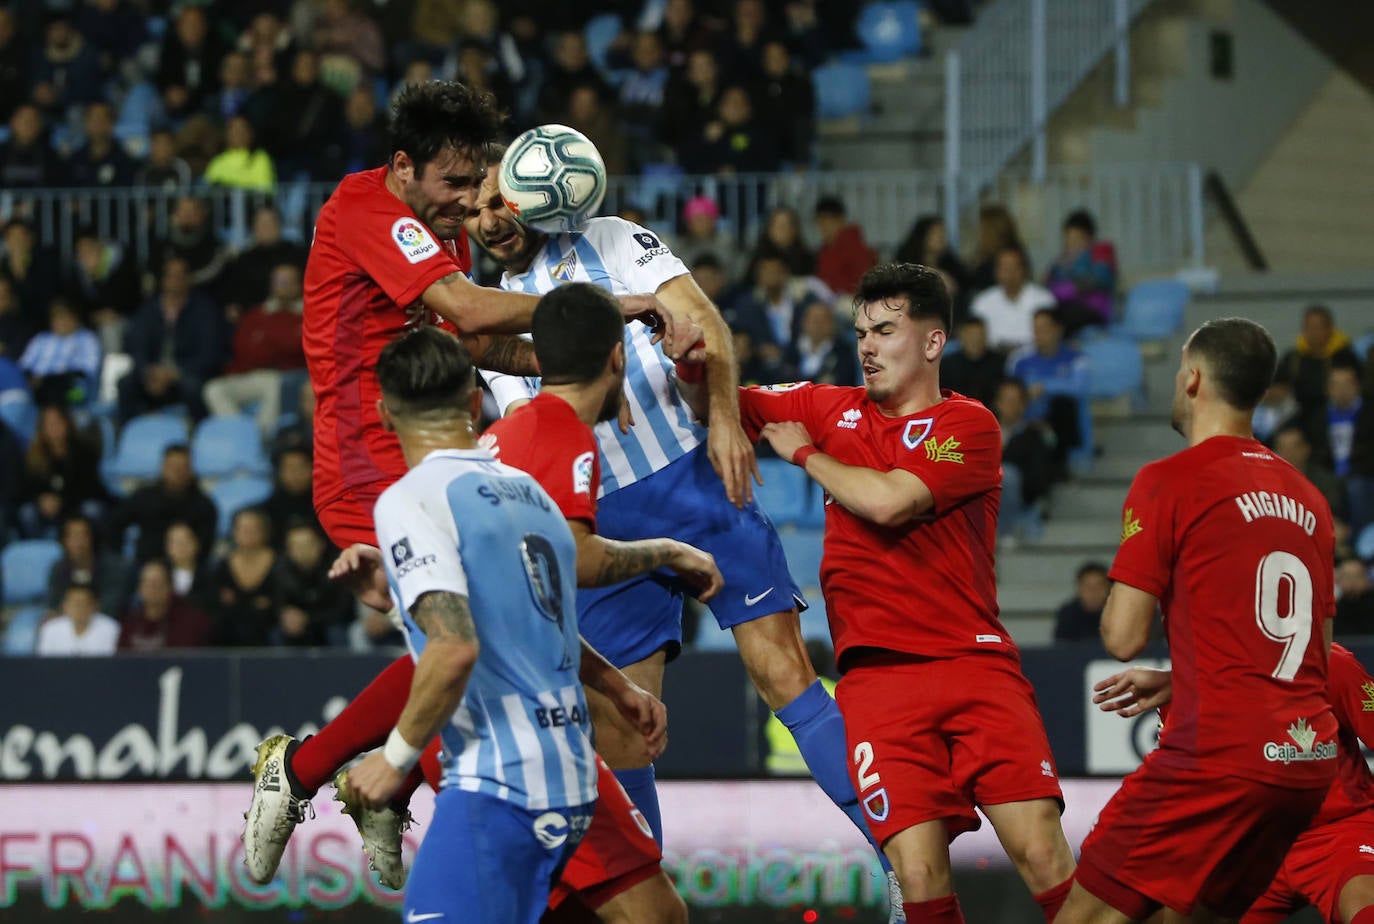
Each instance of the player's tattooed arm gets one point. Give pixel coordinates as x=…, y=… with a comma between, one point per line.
x=440, y=613
x=475, y=309
x=443, y=668
x=602, y=562
x=502, y=353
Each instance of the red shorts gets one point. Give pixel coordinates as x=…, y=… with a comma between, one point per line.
x=931, y=740
x=348, y=519
x=617, y=853
x=1317, y=867
x=1186, y=838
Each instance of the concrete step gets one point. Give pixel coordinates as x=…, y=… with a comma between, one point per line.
x=1090, y=499
x=1030, y=564
x=1077, y=532
x=1042, y=598
x=1029, y=629
x=1144, y=430
x=867, y=150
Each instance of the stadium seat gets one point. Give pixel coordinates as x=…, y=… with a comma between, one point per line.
x=141, y=444
x=1364, y=543
x=233, y=494
x=21, y=635
x=1115, y=368
x=1154, y=310
x=889, y=31
x=785, y=492
x=25, y=565
x=842, y=90
x=1363, y=345
x=19, y=413
x=228, y=445
x=600, y=32
x=803, y=550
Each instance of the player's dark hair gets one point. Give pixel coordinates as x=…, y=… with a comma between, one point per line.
x=1018, y=383
x=1346, y=362
x=575, y=327
x=176, y=449
x=1051, y=313
x=428, y=117
x=1241, y=357
x=925, y=292
x=830, y=205
x=1083, y=220
x=1090, y=567
x=1020, y=253
x=425, y=371
x=1320, y=311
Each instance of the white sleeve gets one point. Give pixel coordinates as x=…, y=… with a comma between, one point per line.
x=507, y=389
x=635, y=256
x=420, y=552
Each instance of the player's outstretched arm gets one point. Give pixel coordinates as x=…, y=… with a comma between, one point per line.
x=886, y=498
x=1134, y=691
x=506, y=353
x=441, y=676
x=645, y=713
x=359, y=568
x=1126, y=621
x=602, y=562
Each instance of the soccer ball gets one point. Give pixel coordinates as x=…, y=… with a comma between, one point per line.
x=552, y=178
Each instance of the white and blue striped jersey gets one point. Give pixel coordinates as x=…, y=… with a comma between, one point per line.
x=521, y=732
x=624, y=259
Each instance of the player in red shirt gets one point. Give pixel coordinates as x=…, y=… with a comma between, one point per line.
x=1331, y=865
x=1235, y=546
x=939, y=717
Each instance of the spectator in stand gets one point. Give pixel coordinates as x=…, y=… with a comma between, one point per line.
x=641, y=97
x=15, y=327
x=975, y=370
x=176, y=342
x=14, y=66
x=772, y=312
x=1080, y=619
x=757, y=364
x=158, y=618
x=80, y=629
x=61, y=476
x=102, y=161
x=164, y=169
x=266, y=344
x=710, y=278
x=66, y=71
x=570, y=69
x=84, y=562
x=928, y=245
x=782, y=235
x=1027, y=465
x=31, y=268
x=244, y=585
x=435, y=27
x=844, y=255
x=268, y=41
x=305, y=131
x=114, y=31
x=104, y=284
x=1276, y=408
x=186, y=562
x=819, y=353
x=1342, y=437
x=480, y=70
x=1292, y=445
x=1056, y=378
x=242, y=164
x=996, y=231
x=313, y=609
x=514, y=46
x=235, y=88
x=63, y=363
x=733, y=142
x=188, y=65
x=174, y=497
x=247, y=278
x=786, y=105
x=691, y=99
x=683, y=32
x=1010, y=306
x=364, y=140
x=290, y=501
x=1083, y=276
x=1355, y=600
x=27, y=160
x=11, y=480
x=373, y=632
x=299, y=433
x=701, y=221
x=742, y=48
x=345, y=32
x=591, y=117
x=191, y=236
x=1319, y=345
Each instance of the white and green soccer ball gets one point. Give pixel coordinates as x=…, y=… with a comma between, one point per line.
x=552, y=178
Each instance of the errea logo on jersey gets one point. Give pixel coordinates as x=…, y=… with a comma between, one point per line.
x=415, y=242
x=582, y=474
x=849, y=420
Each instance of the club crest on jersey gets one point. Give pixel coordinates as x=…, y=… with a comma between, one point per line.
x=947, y=451
x=566, y=268
x=916, y=431
x=1367, y=689
x=876, y=805
x=1130, y=524
x=582, y=474
x=413, y=239
x=849, y=420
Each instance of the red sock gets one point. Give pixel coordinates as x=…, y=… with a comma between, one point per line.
x=943, y=910
x=363, y=725
x=1051, y=900
x=1364, y=916
x=429, y=764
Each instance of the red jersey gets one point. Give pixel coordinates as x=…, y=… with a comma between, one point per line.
x=927, y=588
x=1237, y=546
x=547, y=440
x=1350, y=690
x=369, y=263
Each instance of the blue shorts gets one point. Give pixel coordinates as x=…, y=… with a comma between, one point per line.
x=487, y=859
x=685, y=501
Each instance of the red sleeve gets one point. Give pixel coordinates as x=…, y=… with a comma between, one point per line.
x=1145, y=558
x=395, y=250
x=960, y=456
x=562, y=459
x=762, y=404
x=1351, y=692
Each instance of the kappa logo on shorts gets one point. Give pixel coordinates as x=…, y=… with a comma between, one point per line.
x=876, y=805
x=414, y=240
x=551, y=829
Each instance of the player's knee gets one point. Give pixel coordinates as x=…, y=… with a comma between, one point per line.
x=1044, y=859
x=779, y=680
x=922, y=880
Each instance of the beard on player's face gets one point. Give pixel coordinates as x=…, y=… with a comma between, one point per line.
x=610, y=408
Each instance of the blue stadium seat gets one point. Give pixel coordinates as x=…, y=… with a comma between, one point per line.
x=1115, y=368
x=21, y=635
x=1363, y=345
x=1154, y=310
x=228, y=445
x=19, y=413
x=600, y=32
x=233, y=494
x=842, y=90
x=25, y=565
x=141, y=444
x=1364, y=543
x=889, y=31
x=785, y=492
x=803, y=550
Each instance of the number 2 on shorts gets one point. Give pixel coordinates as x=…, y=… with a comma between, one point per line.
x=863, y=756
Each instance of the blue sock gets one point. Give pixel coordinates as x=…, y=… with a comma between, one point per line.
x=639, y=784
x=815, y=722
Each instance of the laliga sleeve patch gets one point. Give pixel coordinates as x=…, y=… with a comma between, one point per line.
x=582, y=474
x=414, y=240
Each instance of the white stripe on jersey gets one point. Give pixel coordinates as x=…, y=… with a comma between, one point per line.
x=560, y=699
x=531, y=749
x=499, y=771
x=466, y=762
